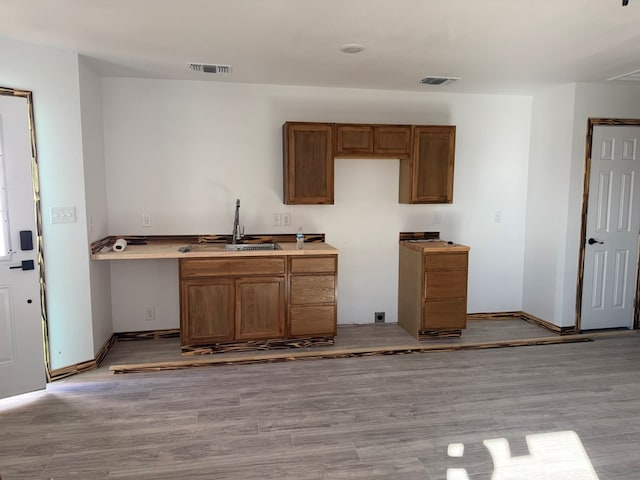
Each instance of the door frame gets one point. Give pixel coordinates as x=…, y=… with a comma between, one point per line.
x=591, y=123
x=28, y=96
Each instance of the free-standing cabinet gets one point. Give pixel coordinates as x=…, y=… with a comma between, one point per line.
x=432, y=288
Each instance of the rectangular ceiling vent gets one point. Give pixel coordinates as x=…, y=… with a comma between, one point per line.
x=628, y=77
x=438, y=80
x=210, y=68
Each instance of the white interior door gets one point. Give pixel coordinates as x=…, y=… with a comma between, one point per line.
x=21, y=341
x=613, y=226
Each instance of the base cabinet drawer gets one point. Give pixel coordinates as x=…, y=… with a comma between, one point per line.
x=445, y=284
x=208, y=267
x=446, y=261
x=306, y=289
x=445, y=314
x=312, y=320
x=326, y=264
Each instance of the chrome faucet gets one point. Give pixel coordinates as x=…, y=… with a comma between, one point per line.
x=237, y=233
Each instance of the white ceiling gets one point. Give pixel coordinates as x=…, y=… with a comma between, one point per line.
x=496, y=46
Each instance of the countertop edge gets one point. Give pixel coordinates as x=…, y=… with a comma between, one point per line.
x=170, y=251
x=435, y=246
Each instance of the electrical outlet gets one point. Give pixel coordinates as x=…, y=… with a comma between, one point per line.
x=286, y=219
x=497, y=217
x=378, y=317
x=146, y=219
x=150, y=314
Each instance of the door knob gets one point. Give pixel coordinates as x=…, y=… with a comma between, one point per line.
x=592, y=240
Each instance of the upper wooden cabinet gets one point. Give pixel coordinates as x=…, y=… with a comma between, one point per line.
x=308, y=163
x=426, y=156
x=375, y=140
x=427, y=175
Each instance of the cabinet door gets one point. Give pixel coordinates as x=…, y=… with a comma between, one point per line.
x=260, y=304
x=430, y=176
x=354, y=139
x=206, y=311
x=394, y=140
x=308, y=163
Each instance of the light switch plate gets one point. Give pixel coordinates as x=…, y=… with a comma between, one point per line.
x=63, y=214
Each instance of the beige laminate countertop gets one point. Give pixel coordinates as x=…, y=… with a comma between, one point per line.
x=170, y=250
x=435, y=246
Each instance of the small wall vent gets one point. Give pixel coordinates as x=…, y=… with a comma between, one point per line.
x=210, y=68
x=438, y=80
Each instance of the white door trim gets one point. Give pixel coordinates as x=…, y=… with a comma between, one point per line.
x=593, y=122
x=28, y=96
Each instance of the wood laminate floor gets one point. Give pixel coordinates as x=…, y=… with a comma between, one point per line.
x=351, y=340
x=400, y=417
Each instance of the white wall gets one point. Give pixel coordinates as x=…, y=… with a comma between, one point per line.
x=96, y=200
x=52, y=76
x=549, y=175
x=556, y=176
x=184, y=151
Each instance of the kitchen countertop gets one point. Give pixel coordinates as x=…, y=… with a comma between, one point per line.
x=434, y=246
x=203, y=250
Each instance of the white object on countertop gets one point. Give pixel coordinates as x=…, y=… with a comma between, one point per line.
x=120, y=245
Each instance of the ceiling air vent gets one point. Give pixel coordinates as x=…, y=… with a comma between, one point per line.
x=210, y=68
x=629, y=77
x=438, y=80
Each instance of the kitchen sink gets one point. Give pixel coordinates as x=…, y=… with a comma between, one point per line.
x=244, y=247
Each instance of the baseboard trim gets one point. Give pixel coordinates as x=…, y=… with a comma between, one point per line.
x=527, y=317
x=148, y=334
x=494, y=316
x=93, y=364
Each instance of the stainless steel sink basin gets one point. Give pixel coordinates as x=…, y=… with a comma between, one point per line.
x=244, y=247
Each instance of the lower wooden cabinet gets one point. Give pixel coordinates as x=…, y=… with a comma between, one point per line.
x=228, y=300
x=432, y=289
